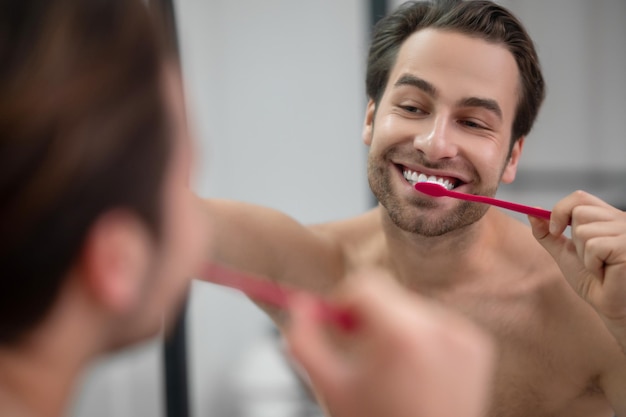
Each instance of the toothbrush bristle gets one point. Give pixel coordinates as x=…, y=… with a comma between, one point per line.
x=430, y=188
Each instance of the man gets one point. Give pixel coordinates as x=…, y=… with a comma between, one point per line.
x=454, y=88
x=99, y=231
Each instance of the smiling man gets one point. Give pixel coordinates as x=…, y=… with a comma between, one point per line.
x=446, y=116
x=454, y=88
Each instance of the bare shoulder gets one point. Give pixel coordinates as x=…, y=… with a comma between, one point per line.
x=543, y=292
x=556, y=353
x=561, y=305
x=360, y=239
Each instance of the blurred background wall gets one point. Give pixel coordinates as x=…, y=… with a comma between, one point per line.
x=578, y=141
x=275, y=92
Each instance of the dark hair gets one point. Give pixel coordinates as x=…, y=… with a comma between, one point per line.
x=478, y=18
x=83, y=130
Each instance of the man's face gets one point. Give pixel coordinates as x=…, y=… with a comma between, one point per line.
x=447, y=112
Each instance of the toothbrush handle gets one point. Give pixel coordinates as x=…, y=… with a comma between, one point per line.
x=520, y=208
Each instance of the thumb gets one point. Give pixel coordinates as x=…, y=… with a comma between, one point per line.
x=554, y=244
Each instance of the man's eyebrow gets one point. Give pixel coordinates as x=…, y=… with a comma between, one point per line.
x=412, y=80
x=431, y=90
x=485, y=103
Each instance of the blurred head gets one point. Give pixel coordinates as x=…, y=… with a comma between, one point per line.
x=94, y=160
x=475, y=18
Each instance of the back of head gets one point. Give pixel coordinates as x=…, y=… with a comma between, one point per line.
x=477, y=18
x=83, y=130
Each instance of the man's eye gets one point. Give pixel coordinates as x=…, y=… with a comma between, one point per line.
x=472, y=124
x=413, y=109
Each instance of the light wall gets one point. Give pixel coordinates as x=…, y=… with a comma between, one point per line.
x=578, y=141
x=276, y=89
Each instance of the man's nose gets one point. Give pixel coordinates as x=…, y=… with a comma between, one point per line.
x=437, y=141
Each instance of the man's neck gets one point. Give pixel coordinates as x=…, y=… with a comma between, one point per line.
x=37, y=379
x=442, y=262
x=38, y=373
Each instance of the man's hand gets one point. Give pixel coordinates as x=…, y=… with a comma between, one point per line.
x=594, y=259
x=406, y=356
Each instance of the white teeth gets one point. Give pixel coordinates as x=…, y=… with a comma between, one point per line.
x=414, y=177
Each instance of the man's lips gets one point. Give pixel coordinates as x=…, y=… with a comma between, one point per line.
x=413, y=177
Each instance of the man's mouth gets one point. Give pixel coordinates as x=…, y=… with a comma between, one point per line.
x=413, y=177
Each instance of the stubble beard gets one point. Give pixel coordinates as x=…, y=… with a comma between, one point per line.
x=411, y=216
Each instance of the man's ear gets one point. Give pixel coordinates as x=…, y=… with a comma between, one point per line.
x=368, y=124
x=116, y=260
x=510, y=170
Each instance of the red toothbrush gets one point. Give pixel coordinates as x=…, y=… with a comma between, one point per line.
x=270, y=292
x=436, y=190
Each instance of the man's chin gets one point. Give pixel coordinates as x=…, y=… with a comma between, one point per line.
x=435, y=224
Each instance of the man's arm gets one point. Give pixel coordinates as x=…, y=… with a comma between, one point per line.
x=269, y=243
x=593, y=261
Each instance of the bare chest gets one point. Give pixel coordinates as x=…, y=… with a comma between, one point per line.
x=549, y=353
x=545, y=366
